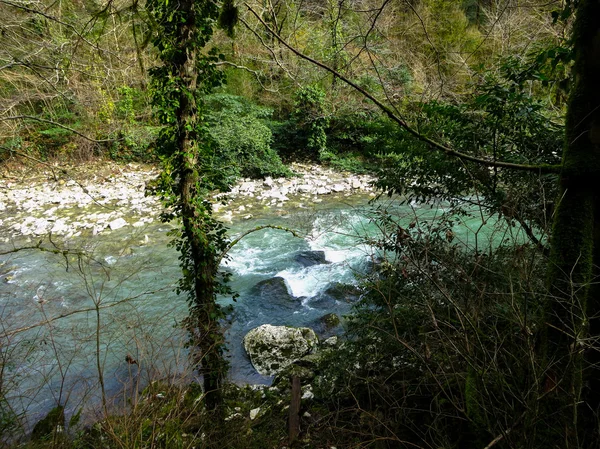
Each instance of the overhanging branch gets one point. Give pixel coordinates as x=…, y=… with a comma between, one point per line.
x=256, y=73
x=250, y=231
x=95, y=308
x=543, y=168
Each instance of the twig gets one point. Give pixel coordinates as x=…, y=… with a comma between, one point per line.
x=74, y=312
x=256, y=73
x=505, y=434
x=39, y=247
x=250, y=231
x=542, y=168
x=31, y=117
x=62, y=170
x=264, y=44
x=25, y=155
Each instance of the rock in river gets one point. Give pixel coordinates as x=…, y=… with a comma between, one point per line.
x=330, y=321
x=310, y=258
x=273, y=348
x=272, y=289
x=343, y=292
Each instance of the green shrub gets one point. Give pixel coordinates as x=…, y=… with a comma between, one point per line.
x=288, y=139
x=9, y=422
x=499, y=120
x=125, y=108
x=134, y=143
x=243, y=140
x=310, y=117
x=440, y=348
x=357, y=139
x=47, y=140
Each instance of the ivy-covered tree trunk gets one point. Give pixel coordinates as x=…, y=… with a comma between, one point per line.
x=202, y=257
x=184, y=29
x=574, y=305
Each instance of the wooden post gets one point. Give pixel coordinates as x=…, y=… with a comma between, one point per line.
x=294, y=418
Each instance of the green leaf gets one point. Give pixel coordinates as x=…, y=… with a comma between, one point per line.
x=75, y=419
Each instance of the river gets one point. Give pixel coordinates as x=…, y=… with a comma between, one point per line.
x=68, y=321
x=65, y=318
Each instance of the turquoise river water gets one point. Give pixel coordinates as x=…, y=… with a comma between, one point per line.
x=66, y=323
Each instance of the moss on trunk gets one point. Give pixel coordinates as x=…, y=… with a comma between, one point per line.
x=185, y=27
x=575, y=255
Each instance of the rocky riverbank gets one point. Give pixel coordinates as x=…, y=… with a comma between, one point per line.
x=105, y=197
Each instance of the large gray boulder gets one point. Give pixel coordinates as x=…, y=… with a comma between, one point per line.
x=272, y=295
x=273, y=348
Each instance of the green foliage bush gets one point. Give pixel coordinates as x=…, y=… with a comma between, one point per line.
x=347, y=161
x=500, y=120
x=9, y=422
x=303, y=134
x=129, y=140
x=242, y=138
x=357, y=139
x=287, y=139
x=134, y=143
x=309, y=114
x=125, y=108
x=116, y=123
x=46, y=140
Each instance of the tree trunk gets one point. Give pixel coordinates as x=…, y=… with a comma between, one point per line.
x=575, y=253
x=203, y=321
x=294, y=412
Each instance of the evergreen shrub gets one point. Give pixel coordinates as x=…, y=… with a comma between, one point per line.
x=243, y=139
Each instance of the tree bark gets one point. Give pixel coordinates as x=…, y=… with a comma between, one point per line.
x=572, y=310
x=294, y=416
x=203, y=321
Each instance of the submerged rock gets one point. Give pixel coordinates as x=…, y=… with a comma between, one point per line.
x=53, y=422
x=272, y=289
x=334, y=294
x=330, y=321
x=310, y=258
x=343, y=292
x=273, y=348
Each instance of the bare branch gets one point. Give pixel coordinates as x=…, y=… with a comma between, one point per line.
x=543, y=168
x=94, y=308
x=39, y=247
x=250, y=231
x=49, y=17
x=25, y=155
x=31, y=117
x=256, y=73
x=264, y=44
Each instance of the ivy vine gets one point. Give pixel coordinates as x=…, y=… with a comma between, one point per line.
x=191, y=171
